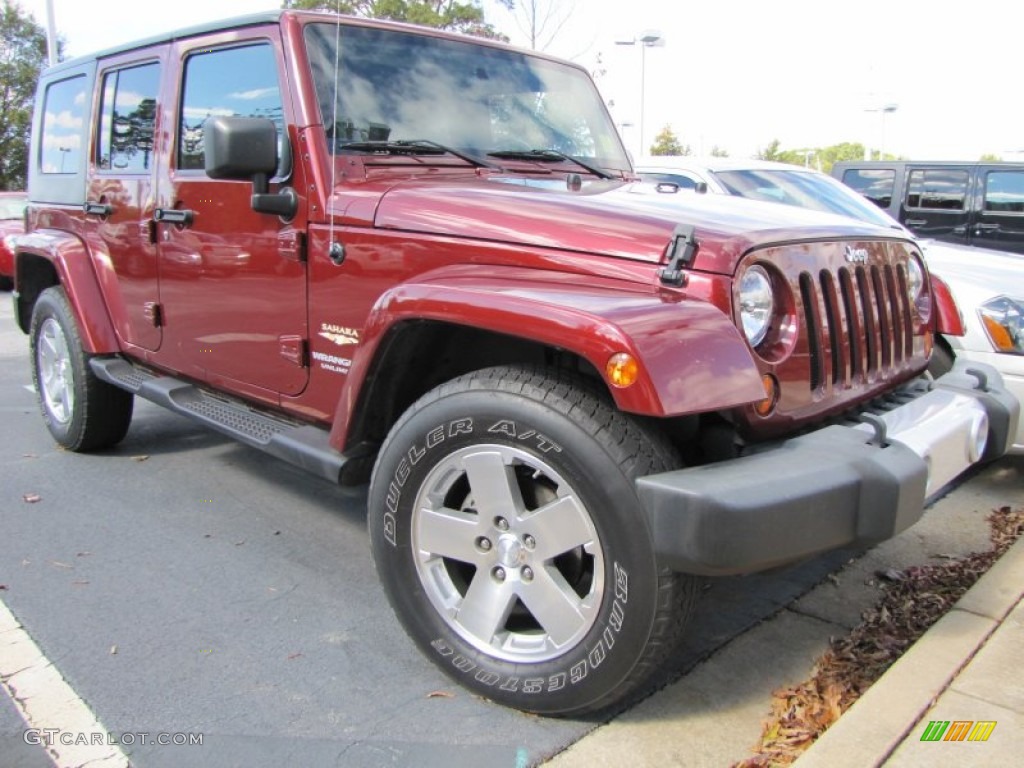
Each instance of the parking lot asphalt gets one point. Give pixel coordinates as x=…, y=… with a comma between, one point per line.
x=184, y=584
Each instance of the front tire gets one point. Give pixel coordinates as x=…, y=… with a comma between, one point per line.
x=508, y=536
x=82, y=412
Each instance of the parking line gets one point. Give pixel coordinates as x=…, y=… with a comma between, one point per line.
x=49, y=705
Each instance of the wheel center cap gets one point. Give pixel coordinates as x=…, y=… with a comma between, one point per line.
x=511, y=552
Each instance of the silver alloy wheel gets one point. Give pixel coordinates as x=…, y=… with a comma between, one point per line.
x=56, y=379
x=507, y=553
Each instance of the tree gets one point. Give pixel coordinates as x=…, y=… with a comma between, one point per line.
x=667, y=143
x=822, y=158
x=717, y=151
x=540, y=20
x=771, y=152
x=989, y=157
x=22, y=58
x=452, y=15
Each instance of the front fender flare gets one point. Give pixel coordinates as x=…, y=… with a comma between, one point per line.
x=692, y=358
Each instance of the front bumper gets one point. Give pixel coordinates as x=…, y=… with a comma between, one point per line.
x=837, y=486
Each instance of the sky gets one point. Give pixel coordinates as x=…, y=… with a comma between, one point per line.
x=737, y=74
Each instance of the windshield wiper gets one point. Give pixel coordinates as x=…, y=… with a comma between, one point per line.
x=414, y=147
x=548, y=156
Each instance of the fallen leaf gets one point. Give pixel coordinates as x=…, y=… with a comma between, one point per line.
x=59, y=564
x=440, y=695
x=240, y=543
x=83, y=554
x=80, y=582
x=293, y=656
x=141, y=457
x=3, y=587
x=30, y=455
x=113, y=650
x=32, y=498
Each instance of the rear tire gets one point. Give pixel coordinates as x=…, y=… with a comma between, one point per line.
x=509, y=538
x=82, y=412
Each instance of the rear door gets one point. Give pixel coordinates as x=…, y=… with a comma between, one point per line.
x=935, y=202
x=233, y=281
x=121, y=193
x=999, y=220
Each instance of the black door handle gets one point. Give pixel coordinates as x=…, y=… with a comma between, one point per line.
x=173, y=216
x=916, y=222
x=979, y=228
x=97, y=209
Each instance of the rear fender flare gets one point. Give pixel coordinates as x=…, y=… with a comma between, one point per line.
x=71, y=261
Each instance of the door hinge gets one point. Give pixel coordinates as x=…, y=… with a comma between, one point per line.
x=152, y=311
x=291, y=245
x=294, y=349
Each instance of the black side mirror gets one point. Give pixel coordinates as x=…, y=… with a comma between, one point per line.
x=701, y=188
x=246, y=148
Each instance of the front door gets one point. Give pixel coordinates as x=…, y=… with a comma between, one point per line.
x=232, y=281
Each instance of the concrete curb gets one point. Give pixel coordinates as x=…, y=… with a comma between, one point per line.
x=869, y=732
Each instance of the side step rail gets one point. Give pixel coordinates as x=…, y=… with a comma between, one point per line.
x=303, y=445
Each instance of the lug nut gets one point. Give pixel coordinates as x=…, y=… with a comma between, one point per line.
x=498, y=574
x=483, y=544
x=529, y=542
x=527, y=573
x=501, y=523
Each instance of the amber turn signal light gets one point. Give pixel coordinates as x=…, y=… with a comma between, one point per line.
x=622, y=370
x=771, y=392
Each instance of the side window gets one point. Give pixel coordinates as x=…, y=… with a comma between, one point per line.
x=240, y=82
x=1004, y=192
x=876, y=186
x=127, y=118
x=63, y=126
x=937, y=189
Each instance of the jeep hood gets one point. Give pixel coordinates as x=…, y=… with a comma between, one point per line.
x=628, y=220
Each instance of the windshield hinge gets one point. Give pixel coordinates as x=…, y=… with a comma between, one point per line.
x=680, y=254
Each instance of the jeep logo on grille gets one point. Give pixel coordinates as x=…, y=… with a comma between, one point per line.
x=856, y=255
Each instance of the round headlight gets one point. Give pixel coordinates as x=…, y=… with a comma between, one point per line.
x=915, y=280
x=756, y=304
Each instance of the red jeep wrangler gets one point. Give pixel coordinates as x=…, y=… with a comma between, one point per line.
x=393, y=255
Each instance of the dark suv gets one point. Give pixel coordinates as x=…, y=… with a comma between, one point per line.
x=972, y=203
x=394, y=255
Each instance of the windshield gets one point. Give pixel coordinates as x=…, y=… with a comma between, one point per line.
x=395, y=86
x=12, y=207
x=803, y=189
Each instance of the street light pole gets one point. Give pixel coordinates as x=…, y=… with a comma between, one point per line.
x=646, y=40
x=884, y=109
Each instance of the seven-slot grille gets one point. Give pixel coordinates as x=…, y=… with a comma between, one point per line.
x=858, y=322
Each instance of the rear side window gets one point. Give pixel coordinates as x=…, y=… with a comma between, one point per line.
x=680, y=180
x=937, y=189
x=876, y=186
x=127, y=119
x=60, y=149
x=1004, y=192
x=239, y=82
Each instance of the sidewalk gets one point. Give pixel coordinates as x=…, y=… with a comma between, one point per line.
x=965, y=669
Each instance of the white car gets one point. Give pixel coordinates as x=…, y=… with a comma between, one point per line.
x=987, y=285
